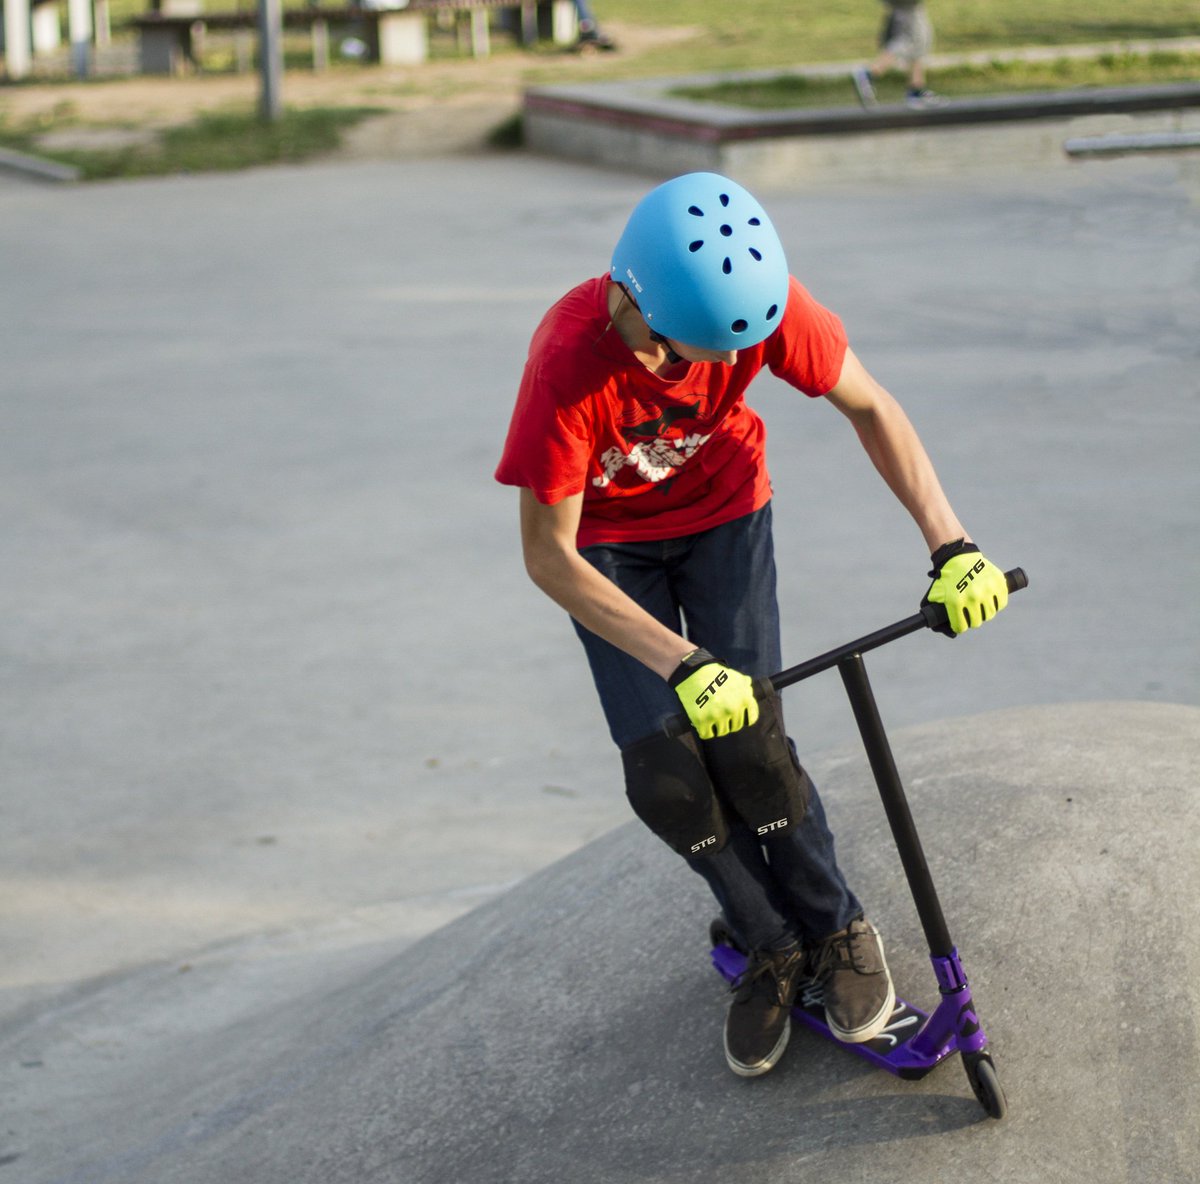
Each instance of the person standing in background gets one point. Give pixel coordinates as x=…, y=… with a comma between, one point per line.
x=904, y=42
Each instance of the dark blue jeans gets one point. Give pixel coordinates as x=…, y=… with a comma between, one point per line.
x=718, y=588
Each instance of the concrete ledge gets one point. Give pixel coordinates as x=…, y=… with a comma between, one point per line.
x=717, y=123
x=1119, y=145
x=643, y=126
x=36, y=167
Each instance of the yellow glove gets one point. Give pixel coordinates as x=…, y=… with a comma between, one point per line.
x=971, y=588
x=718, y=699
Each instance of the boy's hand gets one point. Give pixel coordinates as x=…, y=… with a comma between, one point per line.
x=971, y=588
x=718, y=699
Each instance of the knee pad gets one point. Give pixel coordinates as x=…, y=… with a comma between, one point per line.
x=757, y=774
x=670, y=790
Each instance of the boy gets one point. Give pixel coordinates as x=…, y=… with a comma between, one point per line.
x=645, y=513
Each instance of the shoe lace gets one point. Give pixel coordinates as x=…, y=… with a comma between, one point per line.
x=777, y=966
x=844, y=951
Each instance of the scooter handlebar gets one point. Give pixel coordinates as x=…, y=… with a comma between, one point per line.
x=930, y=616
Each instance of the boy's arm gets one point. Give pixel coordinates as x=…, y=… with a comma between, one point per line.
x=896, y=451
x=717, y=699
x=556, y=567
x=972, y=589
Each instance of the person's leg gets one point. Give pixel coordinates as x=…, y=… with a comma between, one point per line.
x=726, y=589
x=726, y=580
x=637, y=702
x=726, y=583
x=590, y=33
x=745, y=891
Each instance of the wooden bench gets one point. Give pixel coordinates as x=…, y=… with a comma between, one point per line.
x=169, y=41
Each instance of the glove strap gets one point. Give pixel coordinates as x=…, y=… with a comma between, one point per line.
x=688, y=666
x=947, y=551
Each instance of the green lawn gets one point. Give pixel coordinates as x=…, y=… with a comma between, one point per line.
x=210, y=143
x=753, y=34
x=1123, y=69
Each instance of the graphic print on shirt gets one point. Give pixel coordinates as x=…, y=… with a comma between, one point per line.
x=650, y=449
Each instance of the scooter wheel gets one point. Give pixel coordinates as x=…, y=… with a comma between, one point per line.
x=981, y=1073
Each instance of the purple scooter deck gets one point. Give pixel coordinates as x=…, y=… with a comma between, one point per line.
x=892, y=1049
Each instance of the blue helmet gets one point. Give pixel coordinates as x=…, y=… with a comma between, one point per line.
x=703, y=262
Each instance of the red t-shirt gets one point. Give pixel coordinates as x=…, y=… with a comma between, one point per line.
x=655, y=458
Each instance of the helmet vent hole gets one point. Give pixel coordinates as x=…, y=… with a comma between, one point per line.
x=694, y=247
x=724, y=199
x=772, y=312
x=755, y=255
x=696, y=211
x=726, y=230
x=727, y=267
x=739, y=326
x=755, y=221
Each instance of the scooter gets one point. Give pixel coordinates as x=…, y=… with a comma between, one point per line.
x=915, y=1041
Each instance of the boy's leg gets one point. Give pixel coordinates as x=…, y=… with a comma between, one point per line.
x=737, y=617
x=636, y=703
x=726, y=584
x=727, y=591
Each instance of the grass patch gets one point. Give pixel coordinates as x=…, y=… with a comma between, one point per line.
x=1001, y=77
x=757, y=34
x=212, y=142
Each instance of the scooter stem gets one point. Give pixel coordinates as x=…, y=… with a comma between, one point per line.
x=895, y=804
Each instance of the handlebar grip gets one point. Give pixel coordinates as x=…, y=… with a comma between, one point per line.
x=1016, y=579
x=935, y=614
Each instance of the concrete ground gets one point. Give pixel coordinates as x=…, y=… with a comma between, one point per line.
x=571, y=1029
x=279, y=699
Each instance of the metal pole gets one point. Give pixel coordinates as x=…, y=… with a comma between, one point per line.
x=79, y=25
x=18, y=39
x=270, y=57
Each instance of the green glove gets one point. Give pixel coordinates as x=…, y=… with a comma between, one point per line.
x=718, y=700
x=971, y=587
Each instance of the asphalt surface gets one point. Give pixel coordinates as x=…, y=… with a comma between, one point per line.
x=572, y=1028
x=279, y=700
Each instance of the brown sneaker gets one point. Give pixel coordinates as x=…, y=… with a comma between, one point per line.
x=859, y=996
x=758, y=1023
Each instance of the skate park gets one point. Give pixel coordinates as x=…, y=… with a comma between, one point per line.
x=321, y=869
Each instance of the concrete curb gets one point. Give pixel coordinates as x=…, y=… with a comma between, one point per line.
x=717, y=123
x=1118, y=145
x=36, y=167
x=643, y=127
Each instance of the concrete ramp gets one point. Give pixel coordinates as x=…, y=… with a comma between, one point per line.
x=570, y=1030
